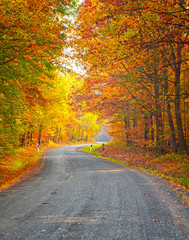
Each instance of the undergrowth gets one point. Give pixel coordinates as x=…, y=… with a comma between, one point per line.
x=18, y=163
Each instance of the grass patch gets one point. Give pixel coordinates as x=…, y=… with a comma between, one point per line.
x=92, y=150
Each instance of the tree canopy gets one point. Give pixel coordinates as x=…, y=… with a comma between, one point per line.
x=136, y=56
x=36, y=103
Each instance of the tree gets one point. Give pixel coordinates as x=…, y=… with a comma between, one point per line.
x=32, y=35
x=142, y=46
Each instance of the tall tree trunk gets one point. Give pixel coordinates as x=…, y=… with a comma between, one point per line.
x=182, y=144
x=146, y=127
x=158, y=118
x=31, y=135
x=28, y=138
x=151, y=127
x=170, y=119
x=31, y=138
x=127, y=125
x=171, y=125
x=39, y=135
x=177, y=70
x=23, y=140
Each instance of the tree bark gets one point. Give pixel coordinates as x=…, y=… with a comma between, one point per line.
x=169, y=114
x=127, y=125
x=146, y=127
x=158, y=118
x=172, y=129
x=23, y=140
x=39, y=135
x=177, y=71
x=151, y=127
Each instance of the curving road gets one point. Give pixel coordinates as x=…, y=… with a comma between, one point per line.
x=79, y=197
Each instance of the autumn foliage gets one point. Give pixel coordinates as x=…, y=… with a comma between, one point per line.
x=135, y=54
x=40, y=101
x=136, y=57
x=36, y=95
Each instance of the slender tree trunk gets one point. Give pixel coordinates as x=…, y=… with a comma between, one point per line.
x=31, y=135
x=177, y=71
x=39, y=135
x=182, y=144
x=28, y=138
x=172, y=129
x=158, y=118
x=146, y=128
x=23, y=140
x=169, y=114
x=151, y=127
x=127, y=125
x=31, y=138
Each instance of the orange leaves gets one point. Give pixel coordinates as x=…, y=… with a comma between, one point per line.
x=132, y=46
x=35, y=96
x=29, y=27
x=14, y=167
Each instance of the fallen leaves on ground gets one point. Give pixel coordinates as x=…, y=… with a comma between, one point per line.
x=144, y=159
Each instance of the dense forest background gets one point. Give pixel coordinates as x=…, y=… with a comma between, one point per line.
x=38, y=95
x=135, y=59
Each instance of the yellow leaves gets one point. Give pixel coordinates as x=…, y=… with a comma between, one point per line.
x=31, y=39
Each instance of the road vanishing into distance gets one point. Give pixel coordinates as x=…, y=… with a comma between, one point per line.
x=75, y=196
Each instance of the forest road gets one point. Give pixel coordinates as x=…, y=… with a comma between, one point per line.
x=79, y=197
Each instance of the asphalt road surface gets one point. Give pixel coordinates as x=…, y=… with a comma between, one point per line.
x=79, y=197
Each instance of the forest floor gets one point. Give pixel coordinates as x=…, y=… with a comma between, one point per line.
x=14, y=166
x=172, y=167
